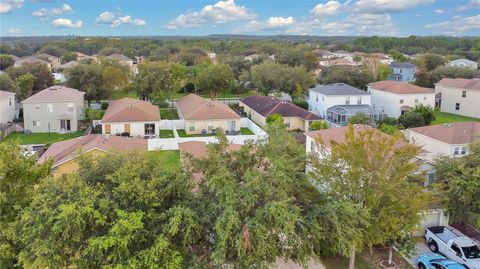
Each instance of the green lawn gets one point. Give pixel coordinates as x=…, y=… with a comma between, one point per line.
x=166, y=134
x=442, y=117
x=42, y=138
x=120, y=94
x=182, y=133
x=246, y=131
x=168, y=114
x=341, y=262
x=165, y=158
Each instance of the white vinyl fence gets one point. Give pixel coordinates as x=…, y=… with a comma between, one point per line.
x=172, y=143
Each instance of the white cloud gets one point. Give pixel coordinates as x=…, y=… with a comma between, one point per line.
x=327, y=9
x=66, y=23
x=114, y=21
x=382, y=6
x=439, y=11
x=9, y=5
x=43, y=12
x=220, y=12
x=471, y=4
x=276, y=22
x=14, y=30
x=359, y=24
x=456, y=25
x=282, y=24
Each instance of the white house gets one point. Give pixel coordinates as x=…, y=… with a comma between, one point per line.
x=463, y=63
x=7, y=106
x=324, y=54
x=55, y=109
x=395, y=98
x=450, y=139
x=211, y=54
x=323, y=97
x=459, y=96
x=131, y=117
x=344, y=55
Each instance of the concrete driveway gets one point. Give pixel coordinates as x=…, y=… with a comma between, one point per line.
x=420, y=248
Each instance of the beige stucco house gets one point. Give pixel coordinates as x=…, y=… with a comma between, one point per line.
x=258, y=108
x=56, y=109
x=131, y=116
x=459, y=96
x=205, y=116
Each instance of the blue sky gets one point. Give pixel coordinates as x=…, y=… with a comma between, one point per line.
x=263, y=17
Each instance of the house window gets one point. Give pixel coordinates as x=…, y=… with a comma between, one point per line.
x=401, y=101
x=312, y=145
x=383, y=109
x=210, y=126
x=401, y=70
x=37, y=107
x=36, y=123
x=347, y=100
x=457, y=106
x=50, y=107
x=108, y=129
x=455, y=152
x=149, y=128
x=415, y=101
x=425, y=97
x=10, y=101
x=464, y=150
x=464, y=93
x=192, y=128
x=70, y=107
x=65, y=125
x=359, y=100
x=287, y=123
x=323, y=98
x=316, y=97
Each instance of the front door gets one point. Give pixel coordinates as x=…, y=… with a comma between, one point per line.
x=127, y=128
x=65, y=125
x=231, y=126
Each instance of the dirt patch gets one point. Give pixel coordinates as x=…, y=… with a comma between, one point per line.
x=376, y=255
x=467, y=230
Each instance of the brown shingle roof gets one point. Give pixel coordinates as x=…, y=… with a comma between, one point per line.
x=462, y=83
x=129, y=109
x=452, y=133
x=268, y=105
x=55, y=94
x=399, y=87
x=68, y=149
x=338, y=135
x=194, y=107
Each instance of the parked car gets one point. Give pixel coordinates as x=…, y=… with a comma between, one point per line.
x=437, y=261
x=457, y=248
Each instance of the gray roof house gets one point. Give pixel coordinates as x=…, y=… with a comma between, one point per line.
x=55, y=109
x=30, y=60
x=339, y=101
x=463, y=63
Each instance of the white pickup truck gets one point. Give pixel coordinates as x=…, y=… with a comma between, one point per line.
x=457, y=248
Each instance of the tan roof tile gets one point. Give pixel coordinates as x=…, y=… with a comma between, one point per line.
x=55, y=94
x=130, y=109
x=399, y=87
x=452, y=133
x=69, y=149
x=194, y=107
x=462, y=83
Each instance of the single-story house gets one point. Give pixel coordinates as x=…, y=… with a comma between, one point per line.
x=206, y=116
x=258, y=108
x=65, y=153
x=132, y=117
x=450, y=139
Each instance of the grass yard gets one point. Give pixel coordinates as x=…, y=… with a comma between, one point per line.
x=228, y=94
x=166, y=134
x=168, y=159
x=182, y=133
x=442, y=117
x=42, y=138
x=168, y=114
x=120, y=94
x=246, y=131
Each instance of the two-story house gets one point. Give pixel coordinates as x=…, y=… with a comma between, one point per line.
x=403, y=72
x=53, y=60
x=56, y=109
x=395, y=98
x=7, y=106
x=459, y=96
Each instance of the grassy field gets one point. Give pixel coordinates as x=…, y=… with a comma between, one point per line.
x=182, y=133
x=442, y=117
x=166, y=134
x=42, y=138
x=168, y=114
x=120, y=94
x=246, y=131
x=165, y=158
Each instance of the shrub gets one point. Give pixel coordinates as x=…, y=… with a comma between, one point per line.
x=104, y=105
x=301, y=103
x=318, y=125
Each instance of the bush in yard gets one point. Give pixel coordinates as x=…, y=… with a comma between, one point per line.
x=389, y=121
x=318, y=125
x=301, y=103
x=360, y=118
x=427, y=113
x=412, y=119
x=104, y=105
